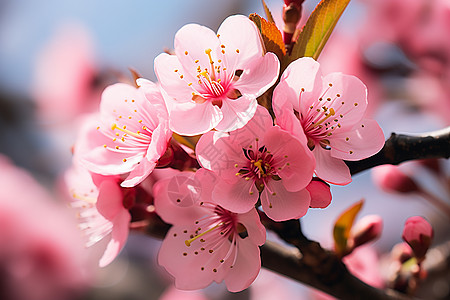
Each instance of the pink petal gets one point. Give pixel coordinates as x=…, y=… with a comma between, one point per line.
x=362, y=141
x=287, y=120
x=191, y=119
x=239, y=197
x=352, y=93
x=139, y=173
x=238, y=32
x=320, y=194
x=119, y=237
x=294, y=158
x=284, y=205
x=187, y=269
x=331, y=169
x=119, y=102
x=255, y=128
x=303, y=73
x=173, y=85
x=90, y=151
x=168, y=191
x=256, y=231
x=246, y=268
x=109, y=201
x=219, y=152
x=153, y=94
x=259, y=76
x=237, y=113
x=191, y=41
x=160, y=139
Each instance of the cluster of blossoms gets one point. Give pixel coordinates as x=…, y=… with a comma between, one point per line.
x=241, y=162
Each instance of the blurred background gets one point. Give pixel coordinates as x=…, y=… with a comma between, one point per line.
x=56, y=57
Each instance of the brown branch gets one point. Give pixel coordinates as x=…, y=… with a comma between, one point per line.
x=399, y=148
x=316, y=266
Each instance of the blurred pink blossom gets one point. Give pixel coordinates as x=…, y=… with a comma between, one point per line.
x=101, y=211
x=364, y=264
x=65, y=71
x=41, y=253
x=365, y=230
x=391, y=179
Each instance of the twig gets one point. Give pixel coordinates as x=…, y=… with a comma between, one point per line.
x=399, y=148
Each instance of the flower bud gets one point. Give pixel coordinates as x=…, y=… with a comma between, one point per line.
x=365, y=230
x=320, y=193
x=391, y=179
x=418, y=233
x=292, y=12
x=401, y=252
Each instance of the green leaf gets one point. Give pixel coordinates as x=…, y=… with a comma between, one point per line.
x=317, y=30
x=343, y=226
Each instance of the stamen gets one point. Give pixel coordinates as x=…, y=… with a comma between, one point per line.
x=188, y=242
x=213, y=75
x=114, y=126
x=329, y=115
x=84, y=198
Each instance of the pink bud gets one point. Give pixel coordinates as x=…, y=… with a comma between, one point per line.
x=296, y=2
x=418, y=233
x=292, y=12
x=365, y=230
x=391, y=179
x=401, y=252
x=320, y=193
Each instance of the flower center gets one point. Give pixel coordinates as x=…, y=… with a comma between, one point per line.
x=321, y=120
x=261, y=166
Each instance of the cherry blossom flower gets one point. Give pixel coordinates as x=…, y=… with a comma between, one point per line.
x=206, y=242
x=259, y=159
x=328, y=114
x=131, y=136
x=212, y=81
x=101, y=210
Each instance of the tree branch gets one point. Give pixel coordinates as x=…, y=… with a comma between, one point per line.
x=308, y=262
x=315, y=267
x=400, y=147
